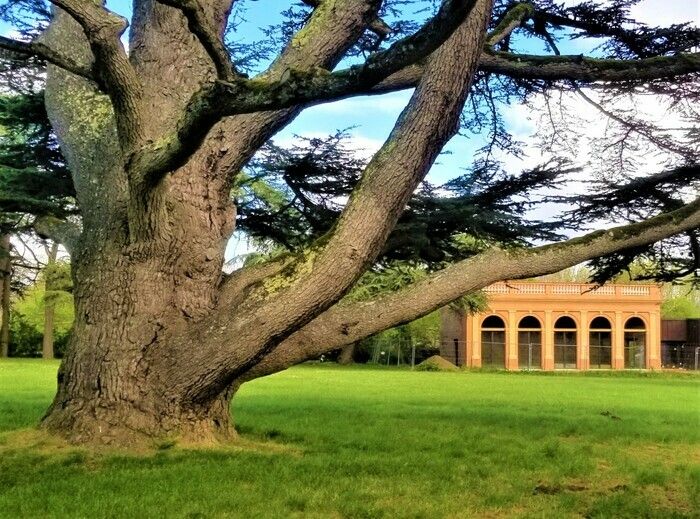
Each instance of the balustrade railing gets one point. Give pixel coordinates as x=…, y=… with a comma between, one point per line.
x=567, y=289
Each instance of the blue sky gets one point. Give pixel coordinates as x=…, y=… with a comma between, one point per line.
x=370, y=119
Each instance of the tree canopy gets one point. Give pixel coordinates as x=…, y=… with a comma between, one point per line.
x=165, y=139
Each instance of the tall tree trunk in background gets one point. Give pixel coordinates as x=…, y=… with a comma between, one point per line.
x=49, y=305
x=346, y=354
x=6, y=273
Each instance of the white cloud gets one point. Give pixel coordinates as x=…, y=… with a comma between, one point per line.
x=666, y=12
x=660, y=12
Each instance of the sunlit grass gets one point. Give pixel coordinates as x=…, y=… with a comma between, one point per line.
x=324, y=441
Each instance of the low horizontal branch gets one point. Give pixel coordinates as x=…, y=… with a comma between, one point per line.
x=347, y=323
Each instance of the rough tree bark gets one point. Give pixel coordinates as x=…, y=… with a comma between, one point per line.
x=346, y=354
x=154, y=139
x=6, y=273
x=47, y=350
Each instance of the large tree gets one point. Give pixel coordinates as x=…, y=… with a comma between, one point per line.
x=156, y=136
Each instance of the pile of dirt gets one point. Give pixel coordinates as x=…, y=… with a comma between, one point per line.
x=436, y=363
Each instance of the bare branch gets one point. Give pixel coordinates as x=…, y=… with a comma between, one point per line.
x=347, y=323
x=649, y=134
x=20, y=50
x=376, y=25
x=207, y=35
x=512, y=19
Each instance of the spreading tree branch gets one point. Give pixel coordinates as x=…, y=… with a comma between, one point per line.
x=308, y=88
x=242, y=96
x=563, y=68
x=330, y=267
x=512, y=19
x=20, y=50
x=347, y=323
x=321, y=42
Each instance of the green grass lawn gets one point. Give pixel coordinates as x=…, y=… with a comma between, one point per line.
x=360, y=442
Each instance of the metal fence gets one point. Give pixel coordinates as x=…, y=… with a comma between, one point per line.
x=403, y=352
x=681, y=356
x=407, y=352
x=529, y=356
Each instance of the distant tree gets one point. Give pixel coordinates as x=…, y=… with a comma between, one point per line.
x=47, y=349
x=51, y=290
x=156, y=138
x=681, y=300
x=6, y=273
x=36, y=190
x=680, y=307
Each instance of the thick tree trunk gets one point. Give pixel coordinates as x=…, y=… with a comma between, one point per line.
x=47, y=351
x=346, y=355
x=147, y=267
x=108, y=392
x=6, y=273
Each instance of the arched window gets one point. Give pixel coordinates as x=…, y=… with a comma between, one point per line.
x=529, y=343
x=565, y=323
x=565, y=343
x=635, y=323
x=600, y=343
x=493, y=342
x=635, y=343
x=493, y=321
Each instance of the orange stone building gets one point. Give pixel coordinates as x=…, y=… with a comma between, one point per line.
x=558, y=326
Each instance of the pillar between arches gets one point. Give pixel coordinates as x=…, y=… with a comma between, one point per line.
x=548, y=342
x=512, y=341
x=474, y=344
x=583, y=342
x=653, y=346
x=618, y=347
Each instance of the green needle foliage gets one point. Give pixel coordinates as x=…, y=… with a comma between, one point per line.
x=34, y=179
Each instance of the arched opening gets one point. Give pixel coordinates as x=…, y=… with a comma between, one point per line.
x=565, y=343
x=529, y=343
x=635, y=343
x=600, y=343
x=493, y=342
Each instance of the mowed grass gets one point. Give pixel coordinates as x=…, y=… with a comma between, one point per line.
x=323, y=441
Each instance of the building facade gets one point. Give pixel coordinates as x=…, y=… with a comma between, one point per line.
x=558, y=326
x=680, y=343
